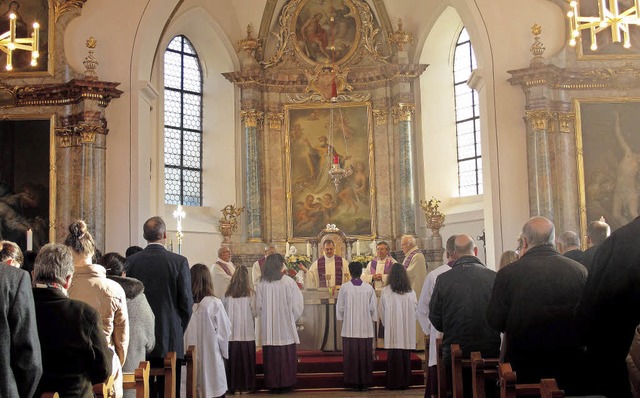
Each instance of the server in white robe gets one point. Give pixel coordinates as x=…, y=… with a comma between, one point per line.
x=377, y=271
x=221, y=272
x=279, y=303
x=423, y=315
x=416, y=266
x=328, y=270
x=357, y=309
x=397, y=311
x=240, y=304
x=209, y=330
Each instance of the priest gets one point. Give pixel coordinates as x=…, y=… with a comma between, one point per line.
x=378, y=269
x=256, y=269
x=221, y=272
x=416, y=266
x=328, y=270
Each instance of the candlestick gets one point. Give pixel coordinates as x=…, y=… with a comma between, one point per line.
x=308, y=249
x=29, y=239
x=358, y=247
x=287, y=248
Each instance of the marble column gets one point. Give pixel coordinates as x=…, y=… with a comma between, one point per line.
x=406, y=179
x=539, y=165
x=251, y=120
x=564, y=169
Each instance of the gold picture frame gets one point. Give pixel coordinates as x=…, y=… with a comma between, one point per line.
x=52, y=177
x=312, y=199
x=608, y=159
x=31, y=11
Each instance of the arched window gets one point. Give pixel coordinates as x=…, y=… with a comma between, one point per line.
x=182, y=124
x=467, y=119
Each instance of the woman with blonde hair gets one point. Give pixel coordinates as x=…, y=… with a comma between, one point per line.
x=90, y=284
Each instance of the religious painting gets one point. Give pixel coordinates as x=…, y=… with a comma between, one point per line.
x=606, y=47
x=319, y=140
x=608, y=154
x=25, y=182
x=326, y=32
x=27, y=13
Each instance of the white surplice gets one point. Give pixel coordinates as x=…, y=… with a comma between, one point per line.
x=256, y=274
x=423, y=311
x=398, y=315
x=367, y=276
x=279, y=305
x=242, y=313
x=221, y=279
x=417, y=273
x=209, y=330
x=313, y=276
x=356, y=308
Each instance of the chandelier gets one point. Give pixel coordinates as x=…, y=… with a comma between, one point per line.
x=609, y=17
x=9, y=42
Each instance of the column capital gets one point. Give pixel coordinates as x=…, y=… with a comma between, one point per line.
x=380, y=116
x=275, y=120
x=251, y=117
x=403, y=112
x=539, y=118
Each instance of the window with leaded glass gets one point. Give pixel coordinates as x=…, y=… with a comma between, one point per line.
x=182, y=124
x=467, y=119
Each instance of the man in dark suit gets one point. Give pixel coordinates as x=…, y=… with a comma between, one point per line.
x=167, y=285
x=75, y=354
x=20, y=360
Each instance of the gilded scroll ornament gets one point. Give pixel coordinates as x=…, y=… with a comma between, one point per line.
x=539, y=119
x=434, y=217
x=321, y=81
x=380, y=116
x=284, y=34
x=90, y=62
x=537, y=48
x=369, y=33
x=275, y=120
x=402, y=113
x=249, y=44
x=63, y=6
x=400, y=38
x=229, y=222
x=251, y=117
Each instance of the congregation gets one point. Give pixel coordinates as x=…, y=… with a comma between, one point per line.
x=551, y=311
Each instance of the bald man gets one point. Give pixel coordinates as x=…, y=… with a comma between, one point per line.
x=222, y=271
x=416, y=266
x=597, y=232
x=533, y=302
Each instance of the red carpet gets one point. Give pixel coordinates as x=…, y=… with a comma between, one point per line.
x=322, y=370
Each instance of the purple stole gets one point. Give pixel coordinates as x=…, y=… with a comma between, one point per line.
x=387, y=265
x=261, y=262
x=407, y=260
x=322, y=272
x=356, y=281
x=224, y=267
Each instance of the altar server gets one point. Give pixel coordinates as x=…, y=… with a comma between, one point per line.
x=240, y=303
x=279, y=303
x=356, y=308
x=398, y=315
x=209, y=330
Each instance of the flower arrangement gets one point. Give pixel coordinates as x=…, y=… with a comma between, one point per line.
x=364, y=259
x=296, y=265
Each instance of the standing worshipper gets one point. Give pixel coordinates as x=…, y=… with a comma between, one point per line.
x=329, y=265
x=279, y=303
x=90, y=284
x=209, y=330
x=377, y=271
x=397, y=311
x=356, y=308
x=240, y=303
x=221, y=272
x=167, y=285
x=416, y=266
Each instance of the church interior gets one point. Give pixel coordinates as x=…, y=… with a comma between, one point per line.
x=482, y=105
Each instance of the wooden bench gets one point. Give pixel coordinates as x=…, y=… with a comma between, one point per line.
x=104, y=390
x=547, y=388
x=190, y=360
x=481, y=371
x=458, y=364
x=49, y=395
x=138, y=380
x=441, y=371
x=168, y=371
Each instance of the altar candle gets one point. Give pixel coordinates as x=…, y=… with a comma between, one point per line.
x=287, y=248
x=29, y=239
x=308, y=249
x=358, y=247
x=336, y=159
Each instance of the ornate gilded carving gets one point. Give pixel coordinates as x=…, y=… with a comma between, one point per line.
x=275, y=120
x=90, y=62
x=88, y=132
x=321, y=81
x=369, y=33
x=63, y=6
x=229, y=222
x=400, y=38
x=434, y=217
x=66, y=136
x=537, y=48
x=566, y=121
x=249, y=44
x=539, y=119
x=283, y=35
x=380, y=116
x=251, y=117
x=402, y=112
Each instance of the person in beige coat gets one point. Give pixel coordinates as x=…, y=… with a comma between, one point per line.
x=90, y=284
x=416, y=266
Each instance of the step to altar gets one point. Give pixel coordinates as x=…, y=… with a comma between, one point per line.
x=323, y=370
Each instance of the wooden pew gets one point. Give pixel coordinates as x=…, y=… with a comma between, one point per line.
x=547, y=388
x=481, y=371
x=169, y=374
x=138, y=381
x=190, y=359
x=442, y=373
x=104, y=390
x=49, y=395
x=457, y=363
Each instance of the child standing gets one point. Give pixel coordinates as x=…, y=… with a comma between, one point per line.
x=240, y=303
x=356, y=308
x=398, y=315
x=209, y=330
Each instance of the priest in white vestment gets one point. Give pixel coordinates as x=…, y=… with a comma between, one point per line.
x=357, y=309
x=256, y=269
x=222, y=271
x=416, y=266
x=328, y=265
x=423, y=314
x=279, y=303
x=377, y=271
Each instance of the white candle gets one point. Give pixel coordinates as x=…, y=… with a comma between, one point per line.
x=29, y=239
x=358, y=247
x=287, y=248
x=308, y=249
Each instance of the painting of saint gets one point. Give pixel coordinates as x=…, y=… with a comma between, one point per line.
x=326, y=32
x=322, y=138
x=27, y=12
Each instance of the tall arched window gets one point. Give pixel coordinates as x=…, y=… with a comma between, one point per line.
x=182, y=124
x=467, y=119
